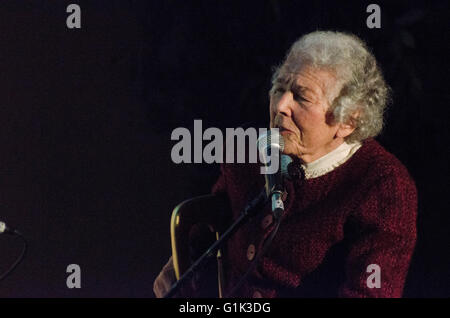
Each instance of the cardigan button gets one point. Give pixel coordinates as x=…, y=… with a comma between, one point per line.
x=257, y=294
x=251, y=252
x=266, y=221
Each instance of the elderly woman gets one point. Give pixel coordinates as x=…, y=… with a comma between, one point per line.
x=349, y=228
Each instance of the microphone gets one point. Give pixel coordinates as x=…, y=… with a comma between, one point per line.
x=295, y=170
x=270, y=146
x=7, y=230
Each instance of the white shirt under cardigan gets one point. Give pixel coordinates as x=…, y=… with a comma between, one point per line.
x=331, y=160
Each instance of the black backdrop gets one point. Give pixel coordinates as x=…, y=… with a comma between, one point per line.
x=86, y=117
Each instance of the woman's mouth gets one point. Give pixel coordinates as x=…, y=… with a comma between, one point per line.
x=285, y=130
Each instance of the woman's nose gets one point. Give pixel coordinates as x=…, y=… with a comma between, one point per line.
x=284, y=104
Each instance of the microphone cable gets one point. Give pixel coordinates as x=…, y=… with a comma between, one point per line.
x=21, y=256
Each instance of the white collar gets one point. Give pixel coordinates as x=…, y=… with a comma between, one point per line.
x=331, y=160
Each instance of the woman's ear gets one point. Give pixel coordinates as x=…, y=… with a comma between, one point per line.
x=344, y=130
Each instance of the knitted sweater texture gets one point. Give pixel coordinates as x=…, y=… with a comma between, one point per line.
x=342, y=233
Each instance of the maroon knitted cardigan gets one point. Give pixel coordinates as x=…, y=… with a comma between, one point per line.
x=363, y=212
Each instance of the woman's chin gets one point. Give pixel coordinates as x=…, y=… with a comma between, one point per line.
x=288, y=150
x=292, y=149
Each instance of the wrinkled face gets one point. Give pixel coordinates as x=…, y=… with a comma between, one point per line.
x=298, y=107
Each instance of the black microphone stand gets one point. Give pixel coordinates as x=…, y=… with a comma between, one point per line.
x=251, y=209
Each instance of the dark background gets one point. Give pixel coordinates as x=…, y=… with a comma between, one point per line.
x=86, y=116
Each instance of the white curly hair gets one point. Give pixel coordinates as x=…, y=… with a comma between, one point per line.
x=363, y=93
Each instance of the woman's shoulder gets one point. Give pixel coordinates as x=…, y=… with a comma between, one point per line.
x=380, y=164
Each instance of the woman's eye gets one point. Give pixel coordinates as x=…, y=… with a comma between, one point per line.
x=298, y=97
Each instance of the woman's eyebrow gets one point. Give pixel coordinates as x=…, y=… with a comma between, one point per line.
x=282, y=80
x=298, y=89
x=295, y=87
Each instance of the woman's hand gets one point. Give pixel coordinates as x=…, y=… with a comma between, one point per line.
x=164, y=280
